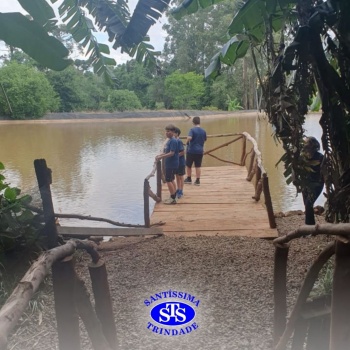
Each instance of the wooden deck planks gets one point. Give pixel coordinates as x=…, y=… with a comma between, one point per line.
x=221, y=205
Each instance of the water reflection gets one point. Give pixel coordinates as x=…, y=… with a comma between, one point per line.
x=99, y=167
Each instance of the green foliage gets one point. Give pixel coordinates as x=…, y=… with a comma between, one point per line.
x=133, y=76
x=210, y=108
x=18, y=228
x=26, y=92
x=184, y=91
x=18, y=31
x=316, y=103
x=233, y=104
x=123, y=100
x=77, y=91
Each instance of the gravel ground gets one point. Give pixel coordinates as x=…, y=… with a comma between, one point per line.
x=231, y=276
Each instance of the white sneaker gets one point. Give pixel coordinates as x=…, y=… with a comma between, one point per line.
x=170, y=201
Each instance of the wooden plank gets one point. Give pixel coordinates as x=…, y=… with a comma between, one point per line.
x=107, y=231
x=221, y=205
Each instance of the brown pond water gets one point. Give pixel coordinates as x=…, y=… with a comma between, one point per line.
x=99, y=166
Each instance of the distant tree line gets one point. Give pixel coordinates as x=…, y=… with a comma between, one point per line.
x=29, y=90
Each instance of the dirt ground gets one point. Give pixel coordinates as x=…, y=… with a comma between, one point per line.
x=232, y=277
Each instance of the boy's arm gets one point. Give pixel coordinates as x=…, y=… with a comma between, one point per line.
x=164, y=155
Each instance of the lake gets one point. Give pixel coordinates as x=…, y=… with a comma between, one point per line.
x=99, y=166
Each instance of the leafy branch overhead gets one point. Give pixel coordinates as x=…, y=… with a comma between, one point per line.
x=111, y=16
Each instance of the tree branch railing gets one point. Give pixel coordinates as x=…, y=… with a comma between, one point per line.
x=71, y=298
x=338, y=335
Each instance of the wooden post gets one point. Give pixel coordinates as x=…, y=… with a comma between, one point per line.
x=63, y=276
x=252, y=168
x=244, y=151
x=340, y=315
x=89, y=318
x=43, y=174
x=103, y=301
x=146, y=203
x=280, y=291
x=299, y=334
x=268, y=201
x=159, y=179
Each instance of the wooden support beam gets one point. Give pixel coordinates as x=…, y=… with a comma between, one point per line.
x=63, y=275
x=44, y=177
x=103, y=301
x=280, y=291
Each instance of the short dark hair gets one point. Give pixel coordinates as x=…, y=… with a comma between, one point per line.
x=196, y=120
x=170, y=127
x=177, y=131
x=312, y=143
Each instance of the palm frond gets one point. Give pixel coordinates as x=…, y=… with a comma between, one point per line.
x=146, y=13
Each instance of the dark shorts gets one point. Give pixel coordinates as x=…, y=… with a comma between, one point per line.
x=181, y=170
x=170, y=174
x=194, y=158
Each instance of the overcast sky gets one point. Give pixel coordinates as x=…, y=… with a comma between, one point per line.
x=156, y=34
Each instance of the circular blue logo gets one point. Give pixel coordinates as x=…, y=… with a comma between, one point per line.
x=173, y=313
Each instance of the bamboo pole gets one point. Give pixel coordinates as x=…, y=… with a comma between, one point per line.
x=146, y=188
x=268, y=201
x=43, y=174
x=280, y=291
x=340, y=314
x=305, y=290
x=63, y=276
x=103, y=300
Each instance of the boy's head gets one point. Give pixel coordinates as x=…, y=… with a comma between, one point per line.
x=170, y=130
x=177, y=131
x=196, y=120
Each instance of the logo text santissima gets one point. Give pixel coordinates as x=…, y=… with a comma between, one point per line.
x=172, y=313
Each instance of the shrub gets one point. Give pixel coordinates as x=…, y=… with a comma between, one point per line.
x=28, y=92
x=18, y=226
x=210, y=108
x=123, y=100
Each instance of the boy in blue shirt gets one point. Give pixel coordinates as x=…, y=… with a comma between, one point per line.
x=171, y=156
x=195, y=149
x=180, y=172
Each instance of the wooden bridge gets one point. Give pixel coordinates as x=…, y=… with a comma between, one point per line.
x=221, y=205
x=226, y=203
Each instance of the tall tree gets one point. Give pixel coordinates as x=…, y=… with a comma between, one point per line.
x=192, y=41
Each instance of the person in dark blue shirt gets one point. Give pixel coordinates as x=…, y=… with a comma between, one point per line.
x=171, y=156
x=180, y=172
x=195, y=149
x=313, y=181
